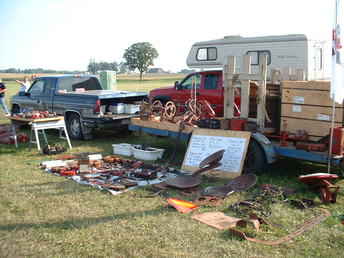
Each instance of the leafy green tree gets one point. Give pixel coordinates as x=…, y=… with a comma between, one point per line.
x=140, y=56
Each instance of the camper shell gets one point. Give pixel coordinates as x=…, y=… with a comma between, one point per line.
x=293, y=52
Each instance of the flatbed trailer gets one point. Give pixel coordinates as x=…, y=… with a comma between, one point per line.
x=272, y=149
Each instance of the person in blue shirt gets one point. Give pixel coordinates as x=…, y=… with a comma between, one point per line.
x=2, y=98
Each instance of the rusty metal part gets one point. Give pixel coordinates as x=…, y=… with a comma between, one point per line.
x=157, y=108
x=211, y=159
x=170, y=110
x=322, y=183
x=238, y=184
x=311, y=146
x=188, y=181
x=308, y=225
x=243, y=182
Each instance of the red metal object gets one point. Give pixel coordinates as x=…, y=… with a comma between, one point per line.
x=284, y=139
x=237, y=124
x=322, y=182
x=311, y=146
x=338, y=141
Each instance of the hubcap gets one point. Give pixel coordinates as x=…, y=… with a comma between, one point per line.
x=75, y=127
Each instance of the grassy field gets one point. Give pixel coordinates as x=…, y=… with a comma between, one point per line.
x=48, y=216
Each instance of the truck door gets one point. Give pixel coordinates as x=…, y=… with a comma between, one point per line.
x=183, y=90
x=212, y=91
x=46, y=97
x=36, y=96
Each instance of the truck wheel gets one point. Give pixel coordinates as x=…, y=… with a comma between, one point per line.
x=255, y=161
x=74, y=127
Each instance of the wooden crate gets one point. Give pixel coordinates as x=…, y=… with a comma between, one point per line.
x=306, y=105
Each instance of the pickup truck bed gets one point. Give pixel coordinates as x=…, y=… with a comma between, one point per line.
x=80, y=99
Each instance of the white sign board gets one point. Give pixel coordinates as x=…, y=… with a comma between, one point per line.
x=205, y=142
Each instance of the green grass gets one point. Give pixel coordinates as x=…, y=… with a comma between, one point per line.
x=48, y=216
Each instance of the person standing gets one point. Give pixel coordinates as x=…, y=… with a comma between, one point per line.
x=24, y=84
x=2, y=98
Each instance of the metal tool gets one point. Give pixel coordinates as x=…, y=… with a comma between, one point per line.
x=188, y=181
x=238, y=184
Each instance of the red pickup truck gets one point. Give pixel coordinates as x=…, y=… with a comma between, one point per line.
x=209, y=87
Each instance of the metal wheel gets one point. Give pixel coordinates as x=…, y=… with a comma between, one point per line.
x=157, y=107
x=170, y=110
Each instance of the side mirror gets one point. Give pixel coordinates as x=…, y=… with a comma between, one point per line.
x=177, y=85
x=27, y=94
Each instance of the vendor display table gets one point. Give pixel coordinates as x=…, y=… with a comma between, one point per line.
x=40, y=124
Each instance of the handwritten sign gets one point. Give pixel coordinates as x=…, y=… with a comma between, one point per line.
x=205, y=142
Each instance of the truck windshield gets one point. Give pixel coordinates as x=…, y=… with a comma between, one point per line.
x=68, y=84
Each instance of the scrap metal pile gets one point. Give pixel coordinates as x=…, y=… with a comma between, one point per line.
x=191, y=114
x=110, y=173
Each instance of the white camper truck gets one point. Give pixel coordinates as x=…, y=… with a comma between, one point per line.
x=285, y=52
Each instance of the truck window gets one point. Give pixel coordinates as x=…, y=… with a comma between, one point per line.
x=69, y=84
x=188, y=82
x=210, y=81
x=256, y=54
x=37, y=88
x=206, y=54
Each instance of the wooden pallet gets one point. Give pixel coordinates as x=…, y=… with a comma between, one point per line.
x=163, y=125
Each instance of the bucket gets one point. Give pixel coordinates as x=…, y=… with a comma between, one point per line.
x=147, y=154
x=124, y=149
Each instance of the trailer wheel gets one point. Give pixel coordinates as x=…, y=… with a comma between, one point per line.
x=74, y=126
x=255, y=161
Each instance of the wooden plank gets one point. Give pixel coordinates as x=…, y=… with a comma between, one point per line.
x=37, y=120
x=229, y=70
x=311, y=112
x=207, y=141
x=261, y=108
x=245, y=87
x=314, y=128
x=164, y=125
x=307, y=97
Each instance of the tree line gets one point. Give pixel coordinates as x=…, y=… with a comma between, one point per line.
x=138, y=56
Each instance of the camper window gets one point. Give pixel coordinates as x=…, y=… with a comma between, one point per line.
x=255, y=55
x=206, y=54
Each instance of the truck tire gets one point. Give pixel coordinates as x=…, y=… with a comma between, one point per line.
x=74, y=126
x=255, y=161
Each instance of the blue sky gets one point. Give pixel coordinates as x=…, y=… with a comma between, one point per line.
x=61, y=34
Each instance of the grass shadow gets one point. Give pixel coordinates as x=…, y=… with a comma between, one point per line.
x=84, y=222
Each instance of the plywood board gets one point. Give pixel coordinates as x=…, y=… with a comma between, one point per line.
x=164, y=125
x=314, y=128
x=205, y=142
x=311, y=112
